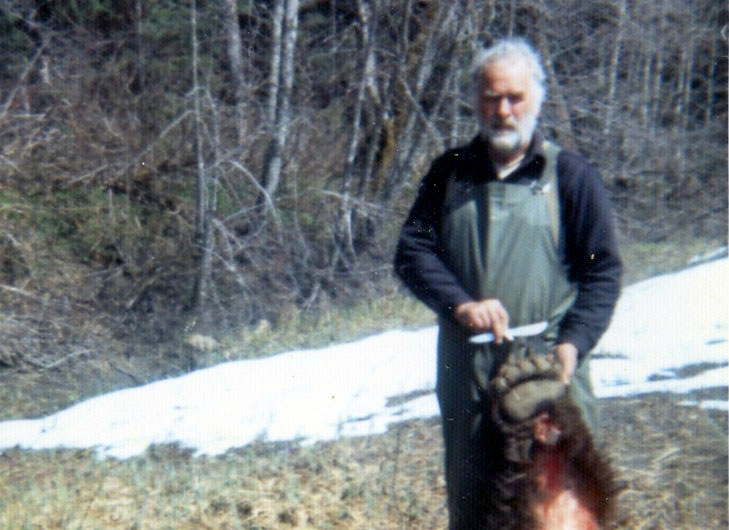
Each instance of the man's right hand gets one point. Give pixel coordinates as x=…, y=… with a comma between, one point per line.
x=484, y=315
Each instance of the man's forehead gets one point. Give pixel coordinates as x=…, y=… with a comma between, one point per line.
x=507, y=64
x=514, y=71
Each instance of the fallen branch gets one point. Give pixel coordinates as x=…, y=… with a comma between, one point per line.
x=49, y=366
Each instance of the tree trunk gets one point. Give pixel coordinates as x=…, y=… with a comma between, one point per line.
x=685, y=93
x=141, y=75
x=410, y=135
x=646, y=96
x=274, y=73
x=565, y=132
x=710, y=82
x=236, y=65
x=280, y=95
x=512, y=18
x=612, y=87
x=202, y=221
x=659, y=64
x=367, y=17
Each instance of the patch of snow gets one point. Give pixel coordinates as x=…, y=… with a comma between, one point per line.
x=660, y=326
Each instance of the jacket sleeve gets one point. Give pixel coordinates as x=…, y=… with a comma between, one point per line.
x=590, y=252
x=418, y=259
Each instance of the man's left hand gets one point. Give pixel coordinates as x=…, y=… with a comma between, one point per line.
x=567, y=355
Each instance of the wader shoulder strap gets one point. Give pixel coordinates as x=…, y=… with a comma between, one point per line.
x=550, y=188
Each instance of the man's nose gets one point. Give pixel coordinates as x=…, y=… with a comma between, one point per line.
x=503, y=107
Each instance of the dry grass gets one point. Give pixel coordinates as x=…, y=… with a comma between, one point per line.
x=26, y=391
x=673, y=458
x=645, y=260
x=675, y=461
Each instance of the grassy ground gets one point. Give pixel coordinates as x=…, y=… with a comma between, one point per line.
x=27, y=392
x=673, y=457
x=645, y=260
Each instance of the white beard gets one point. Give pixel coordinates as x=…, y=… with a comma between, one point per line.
x=511, y=140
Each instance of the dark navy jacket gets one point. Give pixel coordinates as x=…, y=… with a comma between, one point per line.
x=587, y=239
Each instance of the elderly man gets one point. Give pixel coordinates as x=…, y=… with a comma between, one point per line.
x=507, y=230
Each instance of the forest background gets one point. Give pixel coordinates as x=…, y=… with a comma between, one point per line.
x=181, y=179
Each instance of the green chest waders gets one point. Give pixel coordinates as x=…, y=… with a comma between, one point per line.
x=501, y=242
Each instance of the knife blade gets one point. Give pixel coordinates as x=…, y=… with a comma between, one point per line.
x=520, y=331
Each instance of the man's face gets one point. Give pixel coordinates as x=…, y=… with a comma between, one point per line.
x=508, y=107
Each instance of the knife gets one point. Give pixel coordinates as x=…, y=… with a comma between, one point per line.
x=521, y=331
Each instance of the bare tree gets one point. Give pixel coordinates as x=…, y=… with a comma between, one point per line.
x=203, y=211
x=282, y=80
x=620, y=16
x=232, y=30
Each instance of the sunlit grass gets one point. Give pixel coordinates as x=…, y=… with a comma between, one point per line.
x=389, y=481
x=330, y=485
x=645, y=260
x=331, y=325
x=674, y=465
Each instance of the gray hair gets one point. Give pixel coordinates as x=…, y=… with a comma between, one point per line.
x=510, y=48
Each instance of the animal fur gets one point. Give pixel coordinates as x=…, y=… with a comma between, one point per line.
x=570, y=465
